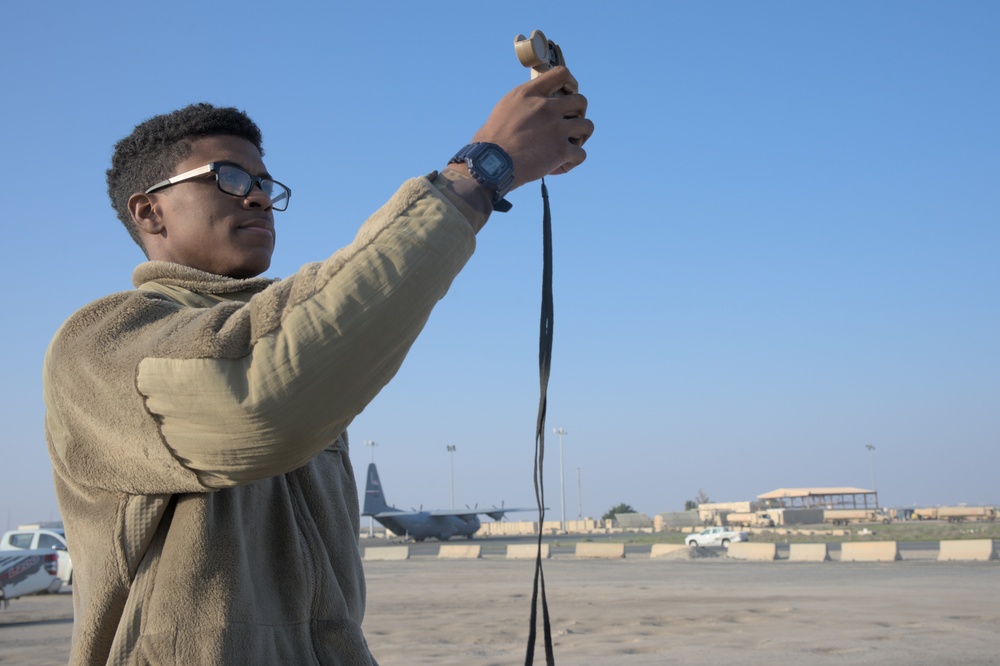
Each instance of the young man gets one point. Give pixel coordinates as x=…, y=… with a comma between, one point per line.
x=197, y=425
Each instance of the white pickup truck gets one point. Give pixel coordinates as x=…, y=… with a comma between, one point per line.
x=716, y=536
x=51, y=539
x=24, y=572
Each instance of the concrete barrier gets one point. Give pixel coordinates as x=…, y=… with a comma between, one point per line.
x=808, y=552
x=455, y=552
x=967, y=549
x=527, y=551
x=667, y=549
x=869, y=551
x=601, y=551
x=387, y=553
x=745, y=550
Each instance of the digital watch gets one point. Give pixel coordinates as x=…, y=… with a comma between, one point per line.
x=492, y=167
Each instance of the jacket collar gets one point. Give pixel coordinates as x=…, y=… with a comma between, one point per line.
x=178, y=275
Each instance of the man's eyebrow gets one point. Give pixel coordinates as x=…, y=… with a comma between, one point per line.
x=263, y=174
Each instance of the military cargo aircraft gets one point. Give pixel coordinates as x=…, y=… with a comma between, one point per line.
x=419, y=525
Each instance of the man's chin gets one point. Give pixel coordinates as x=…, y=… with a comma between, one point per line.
x=250, y=268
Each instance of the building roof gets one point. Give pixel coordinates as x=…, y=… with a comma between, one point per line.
x=813, y=492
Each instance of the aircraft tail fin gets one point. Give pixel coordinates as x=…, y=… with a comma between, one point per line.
x=374, y=497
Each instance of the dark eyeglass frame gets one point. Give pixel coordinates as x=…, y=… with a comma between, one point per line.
x=266, y=185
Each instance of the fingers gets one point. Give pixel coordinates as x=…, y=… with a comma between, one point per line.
x=576, y=157
x=556, y=80
x=570, y=106
x=579, y=130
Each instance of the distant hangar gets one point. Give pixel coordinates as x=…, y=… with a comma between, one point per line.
x=819, y=498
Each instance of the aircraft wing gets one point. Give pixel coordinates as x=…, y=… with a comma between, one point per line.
x=394, y=514
x=495, y=514
x=498, y=514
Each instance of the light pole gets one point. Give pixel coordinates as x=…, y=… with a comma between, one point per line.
x=451, y=450
x=871, y=459
x=562, y=479
x=579, y=495
x=371, y=519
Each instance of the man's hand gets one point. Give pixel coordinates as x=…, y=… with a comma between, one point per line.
x=542, y=125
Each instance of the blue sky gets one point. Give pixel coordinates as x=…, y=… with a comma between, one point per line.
x=782, y=247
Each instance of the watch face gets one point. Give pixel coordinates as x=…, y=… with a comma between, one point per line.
x=491, y=164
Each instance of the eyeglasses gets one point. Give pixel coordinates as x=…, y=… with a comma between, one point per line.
x=232, y=179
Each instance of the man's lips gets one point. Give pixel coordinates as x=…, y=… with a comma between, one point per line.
x=259, y=226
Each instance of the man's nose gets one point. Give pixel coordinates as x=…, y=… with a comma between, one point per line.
x=256, y=198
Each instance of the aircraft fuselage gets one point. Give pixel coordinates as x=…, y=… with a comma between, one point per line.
x=421, y=525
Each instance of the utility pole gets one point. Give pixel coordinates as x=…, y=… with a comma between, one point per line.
x=451, y=450
x=371, y=519
x=871, y=459
x=562, y=479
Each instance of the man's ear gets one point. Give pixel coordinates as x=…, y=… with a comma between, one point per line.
x=146, y=214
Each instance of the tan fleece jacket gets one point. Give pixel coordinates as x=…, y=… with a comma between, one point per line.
x=197, y=430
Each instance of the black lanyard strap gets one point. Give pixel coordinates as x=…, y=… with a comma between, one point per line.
x=544, y=366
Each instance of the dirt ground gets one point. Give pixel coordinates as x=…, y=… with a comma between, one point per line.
x=641, y=611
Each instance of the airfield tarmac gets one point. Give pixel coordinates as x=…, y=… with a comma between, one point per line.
x=642, y=612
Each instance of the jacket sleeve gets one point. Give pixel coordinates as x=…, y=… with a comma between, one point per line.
x=240, y=392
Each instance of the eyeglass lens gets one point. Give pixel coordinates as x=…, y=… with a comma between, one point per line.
x=236, y=181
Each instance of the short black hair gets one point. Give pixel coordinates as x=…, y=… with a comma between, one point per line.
x=157, y=145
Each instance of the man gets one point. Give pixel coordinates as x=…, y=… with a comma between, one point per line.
x=197, y=425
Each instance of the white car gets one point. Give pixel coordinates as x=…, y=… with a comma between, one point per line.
x=715, y=536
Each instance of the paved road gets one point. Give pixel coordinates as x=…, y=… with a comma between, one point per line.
x=641, y=612
x=565, y=546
